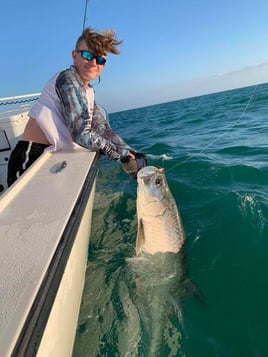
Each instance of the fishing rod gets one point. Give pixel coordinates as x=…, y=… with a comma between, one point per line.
x=85, y=15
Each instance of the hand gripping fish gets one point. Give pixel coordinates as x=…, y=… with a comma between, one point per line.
x=160, y=229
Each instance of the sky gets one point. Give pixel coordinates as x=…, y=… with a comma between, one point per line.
x=171, y=49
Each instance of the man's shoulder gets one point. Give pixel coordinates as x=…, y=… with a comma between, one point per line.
x=68, y=78
x=52, y=80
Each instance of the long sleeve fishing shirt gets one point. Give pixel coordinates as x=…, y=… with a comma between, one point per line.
x=69, y=117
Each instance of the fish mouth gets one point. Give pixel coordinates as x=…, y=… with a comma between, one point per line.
x=149, y=171
x=150, y=175
x=151, y=182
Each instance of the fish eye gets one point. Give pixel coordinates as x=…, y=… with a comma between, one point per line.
x=158, y=182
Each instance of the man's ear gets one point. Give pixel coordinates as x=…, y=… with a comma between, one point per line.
x=74, y=54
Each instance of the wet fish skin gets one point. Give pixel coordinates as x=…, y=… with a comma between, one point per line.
x=160, y=228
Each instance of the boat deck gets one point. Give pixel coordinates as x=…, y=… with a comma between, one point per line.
x=35, y=222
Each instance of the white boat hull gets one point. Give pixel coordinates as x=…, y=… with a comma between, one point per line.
x=45, y=223
x=59, y=335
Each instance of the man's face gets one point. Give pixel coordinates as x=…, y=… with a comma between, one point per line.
x=87, y=69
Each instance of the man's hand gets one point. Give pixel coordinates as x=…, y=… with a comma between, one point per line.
x=133, y=163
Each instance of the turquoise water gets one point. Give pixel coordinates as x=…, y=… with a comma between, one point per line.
x=215, y=153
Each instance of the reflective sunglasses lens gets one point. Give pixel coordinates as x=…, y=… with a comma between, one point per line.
x=100, y=60
x=87, y=55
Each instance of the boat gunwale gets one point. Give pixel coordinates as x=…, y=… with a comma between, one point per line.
x=35, y=323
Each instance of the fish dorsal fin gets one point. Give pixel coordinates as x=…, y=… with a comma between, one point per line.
x=140, y=238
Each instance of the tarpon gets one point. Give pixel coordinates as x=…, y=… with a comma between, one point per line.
x=160, y=229
x=160, y=273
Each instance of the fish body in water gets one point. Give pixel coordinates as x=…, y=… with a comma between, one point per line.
x=159, y=269
x=160, y=272
x=160, y=228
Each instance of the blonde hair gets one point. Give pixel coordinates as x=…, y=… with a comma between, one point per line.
x=100, y=42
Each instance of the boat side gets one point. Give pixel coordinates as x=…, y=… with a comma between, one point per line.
x=12, y=124
x=45, y=220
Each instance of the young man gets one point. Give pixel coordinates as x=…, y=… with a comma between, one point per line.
x=66, y=115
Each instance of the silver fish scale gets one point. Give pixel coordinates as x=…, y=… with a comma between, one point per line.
x=159, y=224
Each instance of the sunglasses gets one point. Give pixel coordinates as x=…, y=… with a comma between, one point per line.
x=89, y=57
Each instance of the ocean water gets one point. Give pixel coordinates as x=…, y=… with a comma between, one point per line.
x=214, y=149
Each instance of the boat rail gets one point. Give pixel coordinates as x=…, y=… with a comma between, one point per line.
x=18, y=99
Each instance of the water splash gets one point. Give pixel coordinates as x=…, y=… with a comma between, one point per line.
x=160, y=157
x=250, y=208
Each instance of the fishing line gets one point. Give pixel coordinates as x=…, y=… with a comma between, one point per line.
x=221, y=135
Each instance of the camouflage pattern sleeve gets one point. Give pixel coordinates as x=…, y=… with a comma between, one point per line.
x=88, y=128
x=104, y=139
